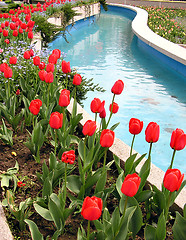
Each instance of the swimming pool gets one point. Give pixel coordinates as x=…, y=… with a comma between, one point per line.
x=107, y=51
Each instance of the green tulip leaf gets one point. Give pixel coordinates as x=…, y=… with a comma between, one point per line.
x=179, y=229
x=150, y=232
x=101, y=183
x=115, y=220
x=52, y=161
x=161, y=227
x=129, y=164
x=144, y=195
x=74, y=184
x=45, y=213
x=35, y=233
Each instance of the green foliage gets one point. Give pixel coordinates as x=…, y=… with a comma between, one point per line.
x=47, y=30
x=179, y=230
x=6, y=134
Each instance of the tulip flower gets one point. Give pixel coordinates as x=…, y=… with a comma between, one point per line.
x=177, y=143
x=5, y=33
x=89, y=128
x=13, y=60
x=96, y=105
x=18, y=92
x=49, y=77
x=36, y=60
x=118, y=87
x=64, y=98
x=77, y=79
x=15, y=33
x=50, y=67
x=8, y=72
x=68, y=157
x=56, y=122
x=135, y=127
x=7, y=41
x=26, y=55
x=113, y=107
x=31, y=52
x=152, y=133
x=65, y=67
x=41, y=65
x=42, y=75
x=91, y=210
x=57, y=52
x=102, y=114
x=53, y=58
x=131, y=185
x=35, y=106
x=106, y=140
x=172, y=181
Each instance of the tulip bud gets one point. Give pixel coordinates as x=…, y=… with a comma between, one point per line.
x=152, y=132
x=118, y=87
x=56, y=120
x=107, y=138
x=89, y=128
x=173, y=179
x=135, y=126
x=178, y=139
x=131, y=185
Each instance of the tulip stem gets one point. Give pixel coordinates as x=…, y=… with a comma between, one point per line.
x=8, y=87
x=122, y=218
x=65, y=189
x=173, y=155
x=132, y=144
x=104, y=162
x=150, y=149
x=96, y=116
x=55, y=142
x=168, y=203
x=110, y=111
x=48, y=95
x=85, y=150
x=88, y=230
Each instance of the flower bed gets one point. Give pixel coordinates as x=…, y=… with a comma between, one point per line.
x=57, y=180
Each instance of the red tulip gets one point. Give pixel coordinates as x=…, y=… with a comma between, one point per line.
x=3, y=66
x=15, y=33
x=35, y=106
x=173, y=179
x=96, y=105
x=6, y=24
x=26, y=55
x=53, y=58
x=50, y=67
x=8, y=72
x=5, y=33
x=12, y=26
x=131, y=185
x=13, y=60
x=56, y=120
x=57, y=52
x=135, y=126
x=65, y=67
x=41, y=65
x=36, y=60
x=118, y=87
x=64, y=98
x=3, y=25
x=23, y=25
x=115, y=107
x=20, y=30
x=102, y=114
x=107, y=138
x=42, y=75
x=31, y=52
x=178, y=139
x=92, y=208
x=7, y=41
x=17, y=92
x=30, y=35
x=49, y=77
x=89, y=128
x=77, y=79
x=152, y=132
x=68, y=157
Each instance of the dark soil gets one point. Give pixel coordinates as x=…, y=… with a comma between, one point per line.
x=27, y=174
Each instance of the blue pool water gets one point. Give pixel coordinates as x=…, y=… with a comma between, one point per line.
x=107, y=50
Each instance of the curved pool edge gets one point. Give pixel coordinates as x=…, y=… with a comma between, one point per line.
x=168, y=52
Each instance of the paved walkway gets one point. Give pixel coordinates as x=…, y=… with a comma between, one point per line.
x=168, y=4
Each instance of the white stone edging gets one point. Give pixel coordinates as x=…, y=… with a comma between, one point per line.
x=143, y=32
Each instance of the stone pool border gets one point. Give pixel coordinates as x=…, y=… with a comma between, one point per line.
x=168, y=52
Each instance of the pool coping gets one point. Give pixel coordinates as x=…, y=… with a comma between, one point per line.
x=143, y=32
